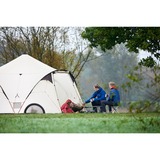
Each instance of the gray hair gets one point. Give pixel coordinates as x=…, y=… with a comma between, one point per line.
x=112, y=83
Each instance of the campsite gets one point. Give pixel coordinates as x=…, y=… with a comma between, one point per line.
x=43, y=67
x=59, y=55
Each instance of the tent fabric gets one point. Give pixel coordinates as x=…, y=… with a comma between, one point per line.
x=44, y=95
x=26, y=80
x=4, y=102
x=19, y=76
x=65, y=87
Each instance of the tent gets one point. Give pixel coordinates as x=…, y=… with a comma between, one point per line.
x=30, y=86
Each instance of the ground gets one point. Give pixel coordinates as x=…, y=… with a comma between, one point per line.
x=80, y=123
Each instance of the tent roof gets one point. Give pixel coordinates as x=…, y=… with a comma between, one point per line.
x=27, y=65
x=18, y=77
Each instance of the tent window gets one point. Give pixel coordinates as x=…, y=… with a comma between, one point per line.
x=47, y=78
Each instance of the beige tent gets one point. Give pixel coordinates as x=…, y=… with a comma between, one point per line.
x=30, y=86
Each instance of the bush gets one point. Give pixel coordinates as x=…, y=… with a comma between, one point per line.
x=144, y=106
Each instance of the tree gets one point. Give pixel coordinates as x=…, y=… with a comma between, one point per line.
x=59, y=47
x=147, y=81
x=38, y=42
x=135, y=39
x=113, y=65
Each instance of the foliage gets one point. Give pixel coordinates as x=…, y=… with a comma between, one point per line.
x=135, y=39
x=148, y=62
x=52, y=45
x=80, y=123
x=144, y=106
x=139, y=106
x=112, y=65
x=148, y=81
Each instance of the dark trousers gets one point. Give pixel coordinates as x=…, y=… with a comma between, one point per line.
x=109, y=103
x=98, y=103
x=77, y=108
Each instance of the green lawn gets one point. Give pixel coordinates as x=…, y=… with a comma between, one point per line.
x=80, y=123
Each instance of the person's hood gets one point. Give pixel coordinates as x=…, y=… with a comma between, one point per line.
x=68, y=101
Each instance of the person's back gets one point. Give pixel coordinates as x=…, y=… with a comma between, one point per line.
x=65, y=108
x=114, y=96
x=70, y=107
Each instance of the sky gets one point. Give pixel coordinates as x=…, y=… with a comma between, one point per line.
x=143, y=54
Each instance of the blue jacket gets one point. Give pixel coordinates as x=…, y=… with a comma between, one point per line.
x=114, y=96
x=97, y=95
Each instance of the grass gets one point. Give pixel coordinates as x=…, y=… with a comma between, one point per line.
x=80, y=123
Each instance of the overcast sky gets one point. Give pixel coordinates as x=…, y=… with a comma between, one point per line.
x=143, y=54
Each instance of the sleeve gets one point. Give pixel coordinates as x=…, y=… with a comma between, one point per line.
x=63, y=109
x=93, y=96
x=70, y=110
x=101, y=97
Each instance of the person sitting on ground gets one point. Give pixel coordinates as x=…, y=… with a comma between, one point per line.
x=96, y=98
x=70, y=107
x=113, y=99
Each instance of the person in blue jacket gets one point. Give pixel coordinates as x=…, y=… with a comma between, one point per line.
x=96, y=98
x=113, y=99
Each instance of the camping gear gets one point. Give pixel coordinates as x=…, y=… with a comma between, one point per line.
x=30, y=86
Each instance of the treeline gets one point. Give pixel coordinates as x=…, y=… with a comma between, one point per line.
x=59, y=47
x=136, y=83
